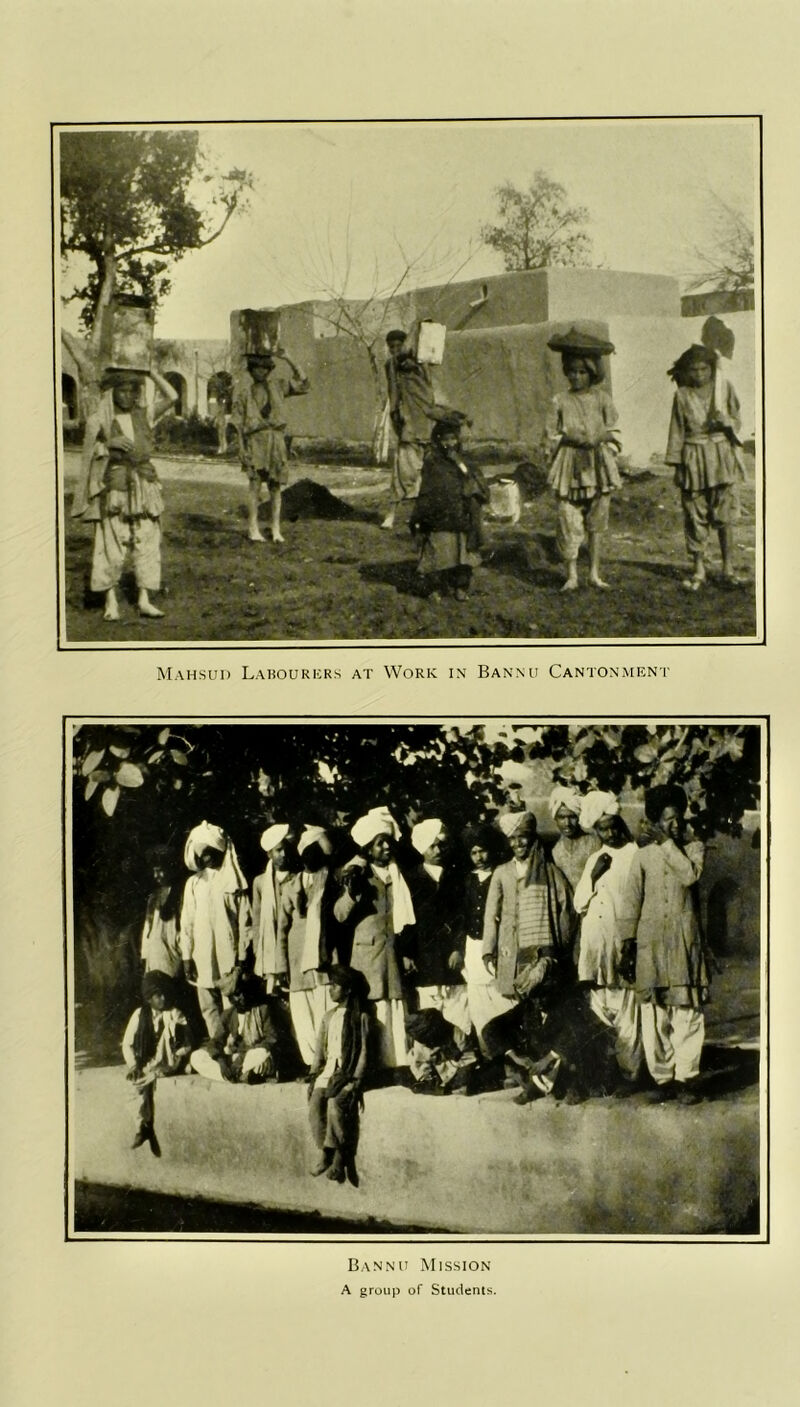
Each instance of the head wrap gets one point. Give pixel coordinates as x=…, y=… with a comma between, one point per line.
x=314, y=835
x=517, y=823
x=229, y=876
x=203, y=837
x=483, y=835
x=568, y=797
x=154, y=983
x=378, y=821
x=657, y=799
x=595, y=805
x=694, y=354
x=447, y=421
x=273, y=836
x=424, y=834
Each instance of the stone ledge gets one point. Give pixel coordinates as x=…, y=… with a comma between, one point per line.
x=478, y=1165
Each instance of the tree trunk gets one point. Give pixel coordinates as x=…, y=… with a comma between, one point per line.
x=107, y=286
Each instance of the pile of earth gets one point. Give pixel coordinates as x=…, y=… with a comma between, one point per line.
x=308, y=499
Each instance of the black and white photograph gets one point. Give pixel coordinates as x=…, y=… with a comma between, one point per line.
x=409, y=380
x=416, y=978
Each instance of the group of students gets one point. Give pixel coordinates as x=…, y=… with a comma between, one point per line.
x=567, y=971
x=120, y=492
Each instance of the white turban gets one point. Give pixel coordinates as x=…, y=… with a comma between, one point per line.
x=512, y=821
x=205, y=836
x=424, y=834
x=314, y=835
x=378, y=821
x=273, y=836
x=567, y=797
x=595, y=805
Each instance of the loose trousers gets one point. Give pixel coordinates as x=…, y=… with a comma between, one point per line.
x=672, y=1037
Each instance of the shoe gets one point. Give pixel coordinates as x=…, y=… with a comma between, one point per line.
x=530, y=1092
x=660, y=1094
x=431, y=1086
x=322, y=1165
x=336, y=1169
x=574, y=1096
x=684, y=1094
x=142, y=1136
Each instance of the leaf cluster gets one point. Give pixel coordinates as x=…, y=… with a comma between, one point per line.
x=537, y=228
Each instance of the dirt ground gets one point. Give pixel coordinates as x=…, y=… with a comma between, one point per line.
x=339, y=577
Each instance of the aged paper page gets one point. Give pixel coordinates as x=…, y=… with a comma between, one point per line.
x=115, y=1321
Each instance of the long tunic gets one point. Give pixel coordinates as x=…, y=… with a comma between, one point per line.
x=376, y=949
x=261, y=437
x=215, y=927
x=580, y=471
x=435, y=935
x=267, y=899
x=705, y=458
x=659, y=911
x=119, y=482
x=160, y=945
x=599, y=906
x=448, y=513
x=411, y=400
x=517, y=931
x=570, y=853
x=306, y=900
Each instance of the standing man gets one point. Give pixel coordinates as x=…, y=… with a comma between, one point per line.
x=259, y=414
x=215, y=923
x=527, y=935
x=411, y=402
x=659, y=915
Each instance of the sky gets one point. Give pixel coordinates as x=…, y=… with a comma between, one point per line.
x=423, y=189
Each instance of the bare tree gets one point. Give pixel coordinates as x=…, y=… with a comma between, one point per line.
x=726, y=263
x=325, y=262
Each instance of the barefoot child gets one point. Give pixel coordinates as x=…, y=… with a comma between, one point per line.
x=337, y=1076
x=583, y=472
x=448, y=512
x=120, y=490
x=260, y=418
x=156, y=1042
x=705, y=450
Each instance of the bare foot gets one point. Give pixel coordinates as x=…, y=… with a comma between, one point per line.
x=388, y=522
x=276, y=537
x=599, y=583
x=693, y=583
x=255, y=536
x=151, y=612
x=111, y=612
x=570, y=585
